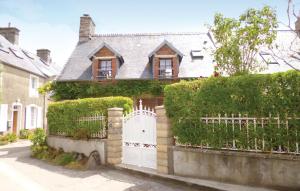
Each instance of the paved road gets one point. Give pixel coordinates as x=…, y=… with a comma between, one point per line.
x=19, y=172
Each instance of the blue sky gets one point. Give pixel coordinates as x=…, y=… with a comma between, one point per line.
x=54, y=24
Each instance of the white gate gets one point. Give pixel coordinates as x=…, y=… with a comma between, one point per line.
x=139, y=138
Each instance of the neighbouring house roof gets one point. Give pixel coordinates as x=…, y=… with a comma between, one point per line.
x=14, y=56
x=135, y=50
x=285, y=54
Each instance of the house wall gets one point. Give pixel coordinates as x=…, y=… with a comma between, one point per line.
x=15, y=86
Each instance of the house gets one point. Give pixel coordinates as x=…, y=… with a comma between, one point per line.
x=151, y=56
x=21, y=74
x=145, y=56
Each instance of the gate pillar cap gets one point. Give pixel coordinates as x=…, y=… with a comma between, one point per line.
x=159, y=107
x=115, y=109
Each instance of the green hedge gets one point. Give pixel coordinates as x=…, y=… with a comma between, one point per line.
x=63, y=116
x=127, y=88
x=256, y=95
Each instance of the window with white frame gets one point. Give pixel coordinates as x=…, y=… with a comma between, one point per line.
x=33, y=86
x=165, y=68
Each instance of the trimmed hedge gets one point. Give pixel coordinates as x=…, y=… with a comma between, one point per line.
x=63, y=116
x=256, y=95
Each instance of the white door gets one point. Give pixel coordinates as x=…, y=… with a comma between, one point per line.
x=139, y=138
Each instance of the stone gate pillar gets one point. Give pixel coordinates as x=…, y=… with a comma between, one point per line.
x=114, y=137
x=165, y=141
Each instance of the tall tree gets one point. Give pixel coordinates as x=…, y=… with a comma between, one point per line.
x=238, y=40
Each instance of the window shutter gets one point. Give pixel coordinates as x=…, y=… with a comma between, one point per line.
x=28, y=117
x=3, y=117
x=40, y=118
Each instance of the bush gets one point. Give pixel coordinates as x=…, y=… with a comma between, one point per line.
x=64, y=158
x=256, y=95
x=25, y=134
x=63, y=116
x=3, y=140
x=11, y=137
x=38, y=137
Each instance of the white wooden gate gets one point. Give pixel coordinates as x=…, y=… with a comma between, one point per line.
x=139, y=138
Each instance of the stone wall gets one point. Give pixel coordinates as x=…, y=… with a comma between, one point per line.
x=165, y=141
x=79, y=146
x=277, y=171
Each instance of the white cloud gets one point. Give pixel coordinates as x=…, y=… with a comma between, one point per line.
x=59, y=39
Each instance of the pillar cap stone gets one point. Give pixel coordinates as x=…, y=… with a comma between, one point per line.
x=115, y=109
x=159, y=107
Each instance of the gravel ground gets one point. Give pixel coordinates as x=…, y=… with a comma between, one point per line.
x=20, y=172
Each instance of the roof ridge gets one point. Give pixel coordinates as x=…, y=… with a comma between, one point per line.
x=148, y=34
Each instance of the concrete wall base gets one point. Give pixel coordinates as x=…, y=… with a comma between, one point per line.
x=79, y=146
x=258, y=169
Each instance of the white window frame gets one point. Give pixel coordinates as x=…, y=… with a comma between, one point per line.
x=33, y=92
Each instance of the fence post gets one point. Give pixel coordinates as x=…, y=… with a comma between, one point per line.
x=114, y=137
x=165, y=141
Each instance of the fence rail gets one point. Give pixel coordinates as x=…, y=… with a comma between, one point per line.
x=95, y=124
x=236, y=132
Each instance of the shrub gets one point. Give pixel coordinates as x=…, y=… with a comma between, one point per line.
x=63, y=116
x=25, y=134
x=11, y=137
x=38, y=137
x=3, y=140
x=64, y=158
x=256, y=95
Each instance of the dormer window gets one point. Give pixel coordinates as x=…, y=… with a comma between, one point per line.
x=105, y=62
x=197, y=54
x=165, y=60
x=165, y=68
x=105, y=69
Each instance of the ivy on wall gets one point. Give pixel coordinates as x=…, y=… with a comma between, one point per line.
x=128, y=88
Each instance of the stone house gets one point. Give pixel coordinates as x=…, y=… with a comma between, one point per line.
x=21, y=74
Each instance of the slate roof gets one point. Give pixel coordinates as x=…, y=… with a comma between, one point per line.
x=285, y=51
x=14, y=56
x=135, y=50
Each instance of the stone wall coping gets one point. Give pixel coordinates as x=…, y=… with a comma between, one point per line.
x=239, y=153
x=78, y=140
x=159, y=107
x=115, y=109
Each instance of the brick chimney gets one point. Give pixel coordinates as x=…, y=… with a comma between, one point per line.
x=86, y=29
x=10, y=33
x=44, y=54
x=297, y=25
